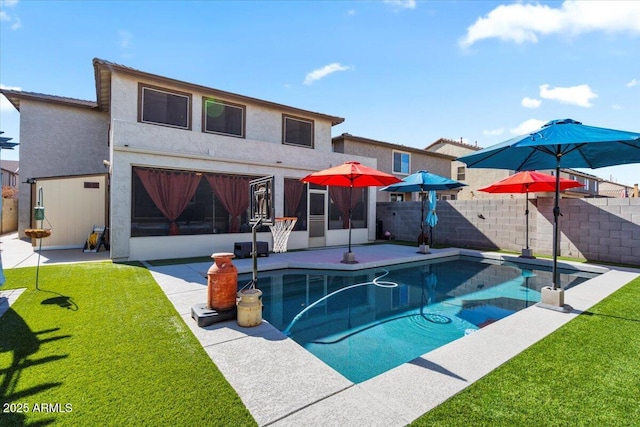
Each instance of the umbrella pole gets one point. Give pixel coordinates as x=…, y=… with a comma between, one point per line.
x=527, y=253
x=422, y=216
x=556, y=230
x=526, y=215
x=348, y=257
x=350, y=202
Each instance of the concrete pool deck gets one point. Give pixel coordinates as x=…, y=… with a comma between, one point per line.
x=284, y=385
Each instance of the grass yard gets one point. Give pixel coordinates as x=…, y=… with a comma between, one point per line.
x=587, y=373
x=100, y=344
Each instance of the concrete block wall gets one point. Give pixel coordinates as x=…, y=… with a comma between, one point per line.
x=594, y=229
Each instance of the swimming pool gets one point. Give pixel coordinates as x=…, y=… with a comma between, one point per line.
x=366, y=322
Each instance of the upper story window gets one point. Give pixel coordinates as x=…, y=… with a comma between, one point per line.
x=223, y=117
x=461, y=173
x=297, y=131
x=163, y=107
x=401, y=162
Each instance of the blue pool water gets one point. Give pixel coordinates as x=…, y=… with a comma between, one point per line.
x=366, y=322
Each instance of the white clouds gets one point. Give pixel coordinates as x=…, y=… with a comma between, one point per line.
x=633, y=83
x=14, y=21
x=527, y=126
x=522, y=23
x=493, y=132
x=323, y=72
x=125, y=38
x=575, y=95
x=5, y=105
x=402, y=4
x=530, y=102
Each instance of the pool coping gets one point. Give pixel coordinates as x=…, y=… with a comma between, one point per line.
x=299, y=389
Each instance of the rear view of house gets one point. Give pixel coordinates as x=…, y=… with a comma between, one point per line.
x=178, y=158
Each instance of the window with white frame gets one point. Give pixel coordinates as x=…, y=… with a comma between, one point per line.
x=223, y=117
x=396, y=197
x=401, y=162
x=164, y=107
x=461, y=173
x=296, y=131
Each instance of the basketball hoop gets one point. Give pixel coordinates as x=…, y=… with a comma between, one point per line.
x=280, y=230
x=261, y=201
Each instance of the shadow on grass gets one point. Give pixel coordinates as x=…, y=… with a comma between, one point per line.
x=24, y=343
x=62, y=301
x=611, y=316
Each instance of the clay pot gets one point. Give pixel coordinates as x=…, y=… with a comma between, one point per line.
x=222, y=282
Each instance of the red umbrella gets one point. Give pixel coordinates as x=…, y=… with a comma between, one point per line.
x=529, y=181
x=351, y=174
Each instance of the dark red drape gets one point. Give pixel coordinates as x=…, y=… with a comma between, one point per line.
x=340, y=196
x=233, y=193
x=170, y=191
x=292, y=194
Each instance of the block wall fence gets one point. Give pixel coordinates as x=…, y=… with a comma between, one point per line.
x=594, y=229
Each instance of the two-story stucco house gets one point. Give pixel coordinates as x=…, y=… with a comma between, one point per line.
x=180, y=156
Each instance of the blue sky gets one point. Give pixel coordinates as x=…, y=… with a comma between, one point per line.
x=407, y=72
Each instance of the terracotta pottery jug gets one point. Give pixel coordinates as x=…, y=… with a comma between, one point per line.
x=222, y=282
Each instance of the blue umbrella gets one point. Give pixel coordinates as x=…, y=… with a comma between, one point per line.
x=422, y=181
x=432, y=218
x=560, y=143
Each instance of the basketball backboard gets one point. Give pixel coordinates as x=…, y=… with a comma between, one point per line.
x=261, y=195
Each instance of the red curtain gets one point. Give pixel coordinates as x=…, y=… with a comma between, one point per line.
x=233, y=193
x=170, y=191
x=340, y=196
x=292, y=194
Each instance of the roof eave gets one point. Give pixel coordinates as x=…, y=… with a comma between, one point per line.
x=15, y=96
x=103, y=70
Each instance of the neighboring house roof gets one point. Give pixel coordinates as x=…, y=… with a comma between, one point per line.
x=103, y=70
x=15, y=96
x=581, y=174
x=445, y=141
x=10, y=165
x=391, y=145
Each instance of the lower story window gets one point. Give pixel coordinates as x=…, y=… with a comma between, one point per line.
x=339, y=207
x=172, y=202
x=295, y=202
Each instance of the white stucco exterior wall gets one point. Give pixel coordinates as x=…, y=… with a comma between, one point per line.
x=58, y=140
x=261, y=153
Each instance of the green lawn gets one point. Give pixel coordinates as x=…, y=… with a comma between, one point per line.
x=100, y=344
